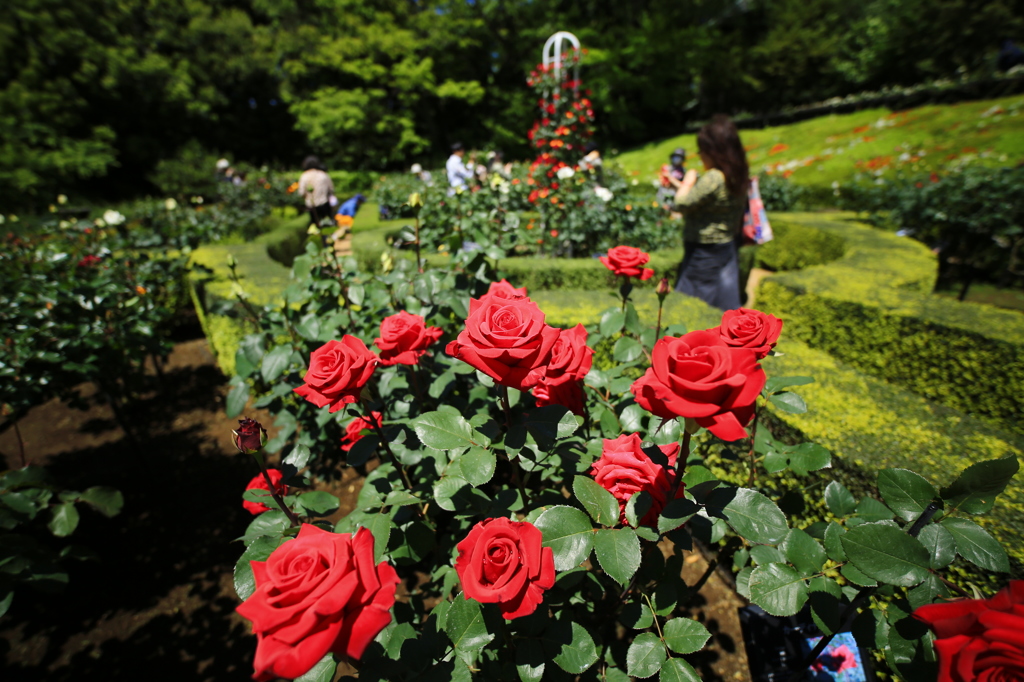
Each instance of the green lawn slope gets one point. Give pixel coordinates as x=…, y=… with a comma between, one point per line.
x=831, y=149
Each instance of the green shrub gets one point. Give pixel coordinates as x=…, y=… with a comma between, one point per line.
x=874, y=309
x=798, y=246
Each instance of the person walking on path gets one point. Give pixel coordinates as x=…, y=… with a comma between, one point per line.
x=458, y=172
x=317, y=189
x=712, y=209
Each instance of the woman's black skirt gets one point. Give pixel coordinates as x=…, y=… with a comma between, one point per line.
x=711, y=273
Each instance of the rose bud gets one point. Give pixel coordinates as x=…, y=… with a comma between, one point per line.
x=663, y=288
x=250, y=436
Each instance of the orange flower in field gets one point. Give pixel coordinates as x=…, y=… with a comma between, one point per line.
x=786, y=174
x=868, y=138
x=554, y=233
x=555, y=144
x=141, y=291
x=970, y=150
x=629, y=207
x=778, y=148
x=515, y=181
x=540, y=241
x=544, y=193
x=292, y=187
x=569, y=114
x=530, y=181
x=266, y=185
x=861, y=129
x=554, y=200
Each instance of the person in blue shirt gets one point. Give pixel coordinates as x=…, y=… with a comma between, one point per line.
x=351, y=206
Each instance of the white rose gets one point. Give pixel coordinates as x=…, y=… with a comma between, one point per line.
x=565, y=173
x=111, y=217
x=604, y=194
x=170, y=204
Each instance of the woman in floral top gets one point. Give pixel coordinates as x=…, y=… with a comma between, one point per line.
x=712, y=209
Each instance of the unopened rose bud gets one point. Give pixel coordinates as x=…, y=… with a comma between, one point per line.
x=663, y=289
x=250, y=436
x=415, y=200
x=232, y=263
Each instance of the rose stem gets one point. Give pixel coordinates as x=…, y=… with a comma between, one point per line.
x=419, y=262
x=416, y=383
x=503, y=399
x=273, y=491
x=378, y=428
x=657, y=329
x=21, y=443
x=752, y=463
x=622, y=290
x=861, y=598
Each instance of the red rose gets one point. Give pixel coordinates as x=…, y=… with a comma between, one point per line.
x=567, y=394
x=355, y=428
x=979, y=639
x=337, y=372
x=498, y=290
x=250, y=436
x=506, y=339
x=745, y=328
x=316, y=594
x=624, y=469
x=404, y=339
x=89, y=261
x=627, y=261
x=693, y=376
x=570, y=359
x=502, y=562
x=260, y=483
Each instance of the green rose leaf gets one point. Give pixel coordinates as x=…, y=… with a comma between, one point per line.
x=530, y=660
x=803, y=551
x=105, y=500
x=872, y=510
x=776, y=384
x=569, y=534
x=976, y=545
x=299, y=456
x=975, y=490
x=478, y=465
x=318, y=502
x=466, y=628
x=363, y=449
x=685, y=636
x=789, y=402
x=631, y=418
x=627, y=349
x=574, y=647
x=612, y=322
x=379, y=526
x=5, y=603
x=599, y=503
x=940, y=543
x=751, y=514
x=905, y=492
x=618, y=552
x=884, y=552
x=637, y=507
x=447, y=488
x=550, y=423
x=447, y=431
x=675, y=514
x=840, y=501
x=238, y=397
x=778, y=589
x=64, y=519
x=275, y=363
x=259, y=550
x=678, y=670
x=645, y=655
x=323, y=671
x=833, y=542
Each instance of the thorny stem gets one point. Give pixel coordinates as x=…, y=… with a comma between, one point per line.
x=854, y=608
x=292, y=518
x=21, y=443
x=503, y=395
x=751, y=456
x=657, y=329
x=379, y=430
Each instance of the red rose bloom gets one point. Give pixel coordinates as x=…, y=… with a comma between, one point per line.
x=502, y=562
x=627, y=261
x=316, y=594
x=745, y=328
x=498, y=290
x=250, y=436
x=506, y=339
x=979, y=639
x=625, y=469
x=571, y=358
x=355, y=428
x=260, y=483
x=693, y=376
x=404, y=338
x=89, y=261
x=567, y=394
x=337, y=372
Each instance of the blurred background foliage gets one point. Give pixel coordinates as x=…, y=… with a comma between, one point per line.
x=95, y=93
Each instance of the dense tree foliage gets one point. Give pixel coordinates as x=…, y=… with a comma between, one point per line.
x=104, y=89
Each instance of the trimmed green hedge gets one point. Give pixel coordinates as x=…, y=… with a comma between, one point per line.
x=869, y=423
x=798, y=246
x=874, y=309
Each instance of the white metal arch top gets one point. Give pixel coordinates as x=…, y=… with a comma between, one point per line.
x=553, y=49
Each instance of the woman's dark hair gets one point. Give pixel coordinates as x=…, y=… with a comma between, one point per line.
x=311, y=162
x=720, y=142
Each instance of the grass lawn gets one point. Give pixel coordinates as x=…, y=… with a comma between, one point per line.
x=820, y=151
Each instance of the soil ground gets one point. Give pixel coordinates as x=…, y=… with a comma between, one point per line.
x=159, y=603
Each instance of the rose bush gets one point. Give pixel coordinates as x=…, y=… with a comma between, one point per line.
x=508, y=435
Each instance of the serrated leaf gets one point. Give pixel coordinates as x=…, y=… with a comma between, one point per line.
x=678, y=670
x=636, y=509
x=803, y=551
x=976, y=545
x=323, y=671
x=569, y=534
x=833, y=542
x=905, y=492
x=550, y=423
x=530, y=660
x=789, y=402
x=872, y=510
x=618, y=552
x=778, y=589
x=107, y=501
x=574, y=646
x=299, y=456
x=274, y=363
x=940, y=544
x=776, y=384
x=752, y=515
x=975, y=489
x=237, y=399
x=645, y=655
x=685, y=636
x=612, y=322
x=631, y=418
x=884, y=552
x=447, y=431
x=466, y=628
x=259, y=550
x=675, y=514
x=478, y=465
x=64, y=519
x=840, y=501
x=627, y=349
x=379, y=526
x=598, y=502
x=318, y=502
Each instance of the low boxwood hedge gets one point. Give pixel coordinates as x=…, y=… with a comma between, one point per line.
x=874, y=308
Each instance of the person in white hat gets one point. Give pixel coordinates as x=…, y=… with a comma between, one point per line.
x=423, y=175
